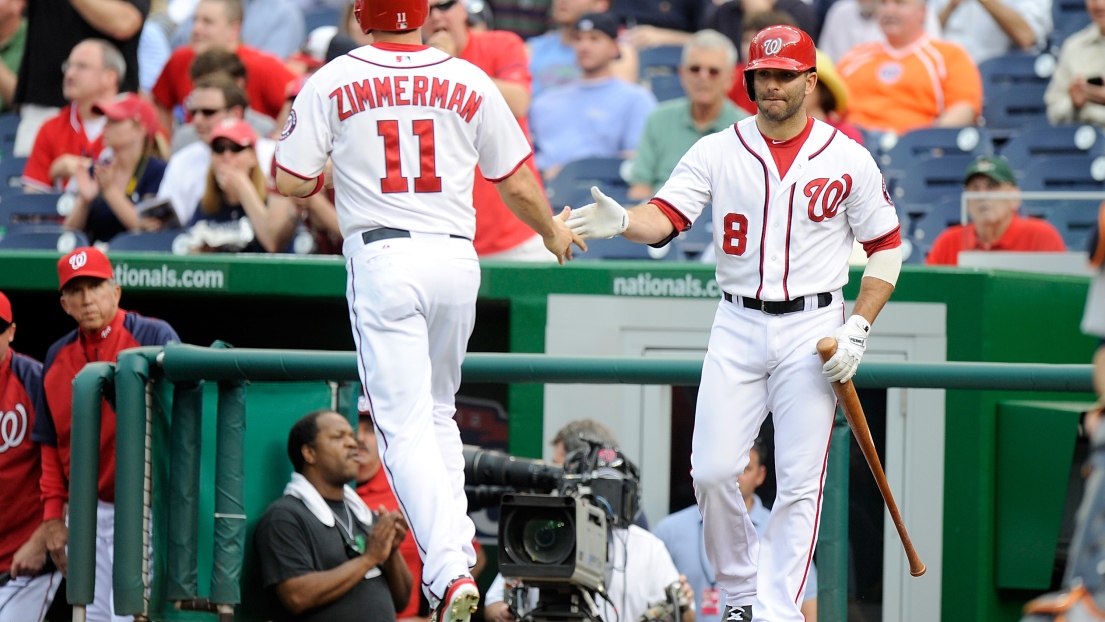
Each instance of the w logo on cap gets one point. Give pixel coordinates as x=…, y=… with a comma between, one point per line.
x=773, y=46
x=77, y=261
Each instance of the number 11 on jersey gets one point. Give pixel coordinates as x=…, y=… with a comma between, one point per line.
x=427, y=180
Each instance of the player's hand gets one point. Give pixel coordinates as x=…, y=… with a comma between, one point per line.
x=604, y=218
x=560, y=241
x=31, y=557
x=57, y=536
x=851, y=341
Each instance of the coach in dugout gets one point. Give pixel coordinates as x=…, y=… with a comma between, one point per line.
x=90, y=296
x=27, y=593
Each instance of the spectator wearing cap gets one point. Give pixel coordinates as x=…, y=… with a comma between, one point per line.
x=71, y=139
x=33, y=583
x=1076, y=93
x=13, y=40
x=706, y=73
x=237, y=189
x=995, y=225
x=595, y=116
x=830, y=100
x=307, y=59
x=128, y=171
x=90, y=295
x=212, y=62
x=502, y=56
x=552, y=58
x=218, y=25
x=215, y=99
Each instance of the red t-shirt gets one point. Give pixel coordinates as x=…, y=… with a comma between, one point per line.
x=784, y=151
x=501, y=55
x=1023, y=234
x=376, y=492
x=62, y=134
x=266, y=80
x=20, y=390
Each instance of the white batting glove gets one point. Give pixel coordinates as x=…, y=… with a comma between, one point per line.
x=604, y=218
x=851, y=341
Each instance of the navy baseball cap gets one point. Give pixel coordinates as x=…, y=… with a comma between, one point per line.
x=605, y=23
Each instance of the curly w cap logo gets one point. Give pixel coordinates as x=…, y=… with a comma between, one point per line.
x=13, y=428
x=77, y=261
x=773, y=46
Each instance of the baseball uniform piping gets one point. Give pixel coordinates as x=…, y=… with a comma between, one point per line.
x=513, y=170
x=817, y=520
x=295, y=174
x=767, y=201
x=825, y=146
x=786, y=248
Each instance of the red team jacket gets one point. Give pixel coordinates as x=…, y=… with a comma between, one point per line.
x=65, y=358
x=20, y=401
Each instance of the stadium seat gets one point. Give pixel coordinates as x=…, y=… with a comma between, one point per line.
x=929, y=143
x=17, y=209
x=1016, y=68
x=321, y=16
x=923, y=227
x=666, y=87
x=43, y=237
x=572, y=186
x=929, y=181
x=618, y=247
x=1014, y=106
x=11, y=172
x=9, y=123
x=663, y=60
x=1033, y=143
x=1067, y=18
x=1065, y=173
x=156, y=241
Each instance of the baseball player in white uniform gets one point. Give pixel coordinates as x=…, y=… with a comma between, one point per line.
x=789, y=194
x=405, y=126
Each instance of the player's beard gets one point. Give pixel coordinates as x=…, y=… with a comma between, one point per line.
x=793, y=106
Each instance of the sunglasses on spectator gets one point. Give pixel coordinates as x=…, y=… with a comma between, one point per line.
x=207, y=112
x=444, y=6
x=713, y=71
x=65, y=65
x=223, y=147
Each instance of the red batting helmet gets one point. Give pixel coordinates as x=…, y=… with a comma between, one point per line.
x=779, y=47
x=391, y=15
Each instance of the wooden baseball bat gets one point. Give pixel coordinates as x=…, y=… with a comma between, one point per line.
x=853, y=411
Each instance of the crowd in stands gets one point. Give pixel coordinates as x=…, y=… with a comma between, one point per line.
x=636, y=81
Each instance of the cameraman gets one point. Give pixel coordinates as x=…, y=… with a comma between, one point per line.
x=634, y=582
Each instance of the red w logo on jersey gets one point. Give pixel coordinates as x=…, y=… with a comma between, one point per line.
x=825, y=197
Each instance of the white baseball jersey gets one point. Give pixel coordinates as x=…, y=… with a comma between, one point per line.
x=778, y=239
x=380, y=112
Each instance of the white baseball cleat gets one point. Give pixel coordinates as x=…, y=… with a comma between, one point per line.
x=462, y=597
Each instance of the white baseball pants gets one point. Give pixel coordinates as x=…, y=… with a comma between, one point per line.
x=758, y=363
x=27, y=599
x=412, y=305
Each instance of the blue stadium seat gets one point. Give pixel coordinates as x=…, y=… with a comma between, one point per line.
x=929, y=143
x=925, y=226
x=666, y=87
x=321, y=16
x=11, y=172
x=1014, y=106
x=694, y=241
x=1016, y=68
x=572, y=186
x=618, y=247
x=1032, y=143
x=9, y=123
x=155, y=241
x=43, y=237
x=1067, y=18
x=929, y=181
x=18, y=209
x=660, y=60
x=1065, y=173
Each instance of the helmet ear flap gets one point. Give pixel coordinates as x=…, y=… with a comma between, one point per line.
x=749, y=84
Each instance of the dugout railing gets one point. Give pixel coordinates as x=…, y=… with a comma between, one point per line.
x=145, y=378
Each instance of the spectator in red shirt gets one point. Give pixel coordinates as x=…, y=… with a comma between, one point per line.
x=995, y=225
x=218, y=24
x=502, y=55
x=71, y=139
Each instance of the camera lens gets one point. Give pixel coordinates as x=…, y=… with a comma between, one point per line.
x=548, y=541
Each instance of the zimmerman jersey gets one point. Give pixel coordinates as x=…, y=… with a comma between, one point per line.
x=405, y=126
x=782, y=238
